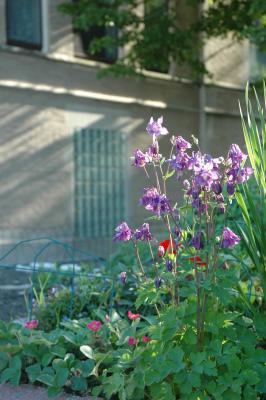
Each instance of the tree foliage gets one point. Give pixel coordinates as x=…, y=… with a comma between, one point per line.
x=156, y=33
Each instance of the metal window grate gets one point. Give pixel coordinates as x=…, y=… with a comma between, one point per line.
x=99, y=182
x=24, y=23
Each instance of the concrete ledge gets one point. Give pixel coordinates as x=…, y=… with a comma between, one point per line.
x=30, y=392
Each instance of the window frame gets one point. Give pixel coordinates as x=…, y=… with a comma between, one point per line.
x=21, y=43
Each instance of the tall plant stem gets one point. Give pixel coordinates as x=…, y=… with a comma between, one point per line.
x=153, y=259
x=198, y=308
x=175, y=293
x=151, y=252
x=139, y=261
x=204, y=300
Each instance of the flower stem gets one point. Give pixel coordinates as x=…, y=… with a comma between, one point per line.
x=139, y=261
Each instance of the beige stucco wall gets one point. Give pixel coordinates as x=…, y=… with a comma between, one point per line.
x=228, y=61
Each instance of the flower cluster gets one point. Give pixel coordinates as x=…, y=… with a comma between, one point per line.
x=207, y=181
x=132, y=316
x=235, y=171
x=33, y=324
x=94, y=326
x=124, y=233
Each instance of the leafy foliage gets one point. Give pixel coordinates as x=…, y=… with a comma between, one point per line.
x=166, y=31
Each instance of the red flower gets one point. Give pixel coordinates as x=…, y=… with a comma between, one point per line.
x=165, y=245
x=132, y=341
x=198, y=261
x=146, y=339
x=94, y=326
x=132, y=316
x=31, y=324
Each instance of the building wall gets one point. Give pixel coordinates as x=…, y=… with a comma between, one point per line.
x=44, y=98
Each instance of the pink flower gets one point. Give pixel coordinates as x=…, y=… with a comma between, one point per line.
x=132, y=316
x=94, y=326
x=107, y=318
x=132, y=341
x=145, y=339
x=33, y=324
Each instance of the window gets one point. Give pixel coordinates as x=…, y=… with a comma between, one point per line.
x=24, y=26
x=99, y=182
x=257, y=63
x=83, y=40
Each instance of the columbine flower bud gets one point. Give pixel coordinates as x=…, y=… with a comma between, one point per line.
x=158, y=282
x=217, y=188
x=169, y=265
x=123, y=277
x=230, y=188
x=160, y=251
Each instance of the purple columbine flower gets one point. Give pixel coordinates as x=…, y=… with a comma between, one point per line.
x=140, y=158
x=180, y=143
x=123, y=277
x=236, y=155
x=195, y=193
x=158, y=282
x=197, y=241
x=169, y=265
x=143, y=233
x=180, y=162
x=229, y=238
x=155, y=128
x=219, y=198
x=199, y=206
x=217, y=187
x=244, y=174
x=177, y=232
x=155, y=202
x=153, y=151
x=123, y=233
x=150, y=194
x=206, y=175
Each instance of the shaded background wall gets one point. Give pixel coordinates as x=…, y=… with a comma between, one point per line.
x=48, y=95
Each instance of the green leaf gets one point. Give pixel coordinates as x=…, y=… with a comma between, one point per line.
x=87, y=351
x=33, y=371
x=197, y=358
x=113, y=384
x=53, y=391
x=59, y=351
x=4, y=359
x=86, y=367
x=47, y=379
x=11, y=375
x=16, y=363
x=161, y=391
x=46, y=359
x=79, y=383
x=260, y=324
x=259, y=355
x=61, y=377
x=233, y=364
